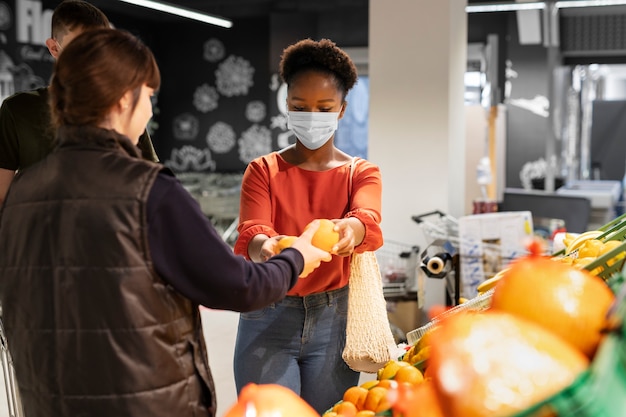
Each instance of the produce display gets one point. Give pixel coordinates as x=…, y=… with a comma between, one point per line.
x=550, y=343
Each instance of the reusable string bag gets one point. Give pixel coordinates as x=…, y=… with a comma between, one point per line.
x=369, y=341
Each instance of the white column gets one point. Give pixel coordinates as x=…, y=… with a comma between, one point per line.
x=417, y=61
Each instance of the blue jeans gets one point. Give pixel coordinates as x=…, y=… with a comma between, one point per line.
x=297, y=343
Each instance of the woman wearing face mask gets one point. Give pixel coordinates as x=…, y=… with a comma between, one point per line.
x=298, y=341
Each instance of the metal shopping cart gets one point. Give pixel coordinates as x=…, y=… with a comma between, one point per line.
x=14, y=406
x=398, y=263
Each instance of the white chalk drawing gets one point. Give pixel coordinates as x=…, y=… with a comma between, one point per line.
x=278, y=122
x=221, y=137
x=256, y=111
x=5, y=16
x=153, y=125
x=205, y=98
x=275, y=82
x=25, y=78
x=254, y=142
x=186, y=126
x=190, y=158
x=214, y=50
x=233, y=76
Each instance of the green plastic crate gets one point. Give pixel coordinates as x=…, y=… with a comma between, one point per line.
x=601, y=390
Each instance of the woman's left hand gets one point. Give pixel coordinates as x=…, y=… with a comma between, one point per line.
x=346, y=243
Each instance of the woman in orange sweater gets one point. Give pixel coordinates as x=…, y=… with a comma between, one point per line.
x=298, y=341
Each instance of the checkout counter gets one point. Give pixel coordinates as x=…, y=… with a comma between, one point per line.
x=582, y=205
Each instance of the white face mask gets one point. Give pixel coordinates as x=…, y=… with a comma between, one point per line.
x=313, y=129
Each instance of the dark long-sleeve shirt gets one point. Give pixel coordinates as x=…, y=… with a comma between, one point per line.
x=189, y=254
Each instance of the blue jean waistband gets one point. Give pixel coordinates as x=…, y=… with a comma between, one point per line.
x=326, y=297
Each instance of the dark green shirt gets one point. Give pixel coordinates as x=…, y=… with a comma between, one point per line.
x=26, y=133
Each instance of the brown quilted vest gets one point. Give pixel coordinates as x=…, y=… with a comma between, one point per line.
x=92, y=328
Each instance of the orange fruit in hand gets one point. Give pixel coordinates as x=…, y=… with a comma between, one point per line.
x=325, y=237
x=286, y=242
x=356, y=395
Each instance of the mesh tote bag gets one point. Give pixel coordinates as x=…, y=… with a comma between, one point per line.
x=369, y=341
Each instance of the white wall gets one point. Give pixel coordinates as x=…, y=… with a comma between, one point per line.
x=416, y=65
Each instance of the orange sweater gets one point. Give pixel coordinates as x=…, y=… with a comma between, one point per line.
x=278, y=198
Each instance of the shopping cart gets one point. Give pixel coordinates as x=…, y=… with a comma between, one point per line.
x=13, y=403
x=398, y=263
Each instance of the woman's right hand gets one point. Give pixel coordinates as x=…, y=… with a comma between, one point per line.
x=312, y=255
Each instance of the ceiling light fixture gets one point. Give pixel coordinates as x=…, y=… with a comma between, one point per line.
x=589, y=3
x=183, y=12
x=505, y=7
x=539, y=5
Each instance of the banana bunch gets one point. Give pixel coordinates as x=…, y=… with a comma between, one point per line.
x=574, y=241
x=585, y=248
x=420, y=351
x=489, y=283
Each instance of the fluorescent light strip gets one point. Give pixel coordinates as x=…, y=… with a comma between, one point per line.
x=504, y=7
x=588, y=3
x=539, y=5
x=179, y=11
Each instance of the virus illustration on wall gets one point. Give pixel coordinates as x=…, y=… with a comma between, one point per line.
x=185, y=126
x=254, y=142
x=256, y=111
x=205, y=98
x=221, y=137
x=190, y=158
x=214, y=50
x=233, y=76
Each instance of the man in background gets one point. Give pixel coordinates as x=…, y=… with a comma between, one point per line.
x=26, y=133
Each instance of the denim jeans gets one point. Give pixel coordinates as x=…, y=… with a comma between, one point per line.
x=297, y=343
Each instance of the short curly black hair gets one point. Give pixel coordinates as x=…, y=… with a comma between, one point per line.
x=324, y=56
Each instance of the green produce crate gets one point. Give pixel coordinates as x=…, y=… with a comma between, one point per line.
x=601, y=390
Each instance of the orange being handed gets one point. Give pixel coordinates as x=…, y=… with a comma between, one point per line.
x=286, y=242
x=325, y=237
x=376, y=400
x=356, y=395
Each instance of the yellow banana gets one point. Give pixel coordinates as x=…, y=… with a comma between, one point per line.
x=580, y=239
x=488, y=284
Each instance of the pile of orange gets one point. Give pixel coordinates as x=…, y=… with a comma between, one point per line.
x=392, y=382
